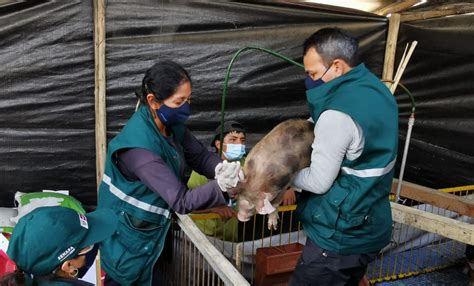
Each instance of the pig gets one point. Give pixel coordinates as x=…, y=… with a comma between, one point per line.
x=270, y=168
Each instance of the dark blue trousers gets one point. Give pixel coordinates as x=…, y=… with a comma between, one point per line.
x=317, y=266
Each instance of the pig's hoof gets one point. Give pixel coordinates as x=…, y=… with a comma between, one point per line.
x=273, y=221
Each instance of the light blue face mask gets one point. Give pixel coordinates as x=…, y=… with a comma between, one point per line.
x=234, y=151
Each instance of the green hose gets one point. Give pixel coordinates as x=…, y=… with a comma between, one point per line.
x=412, y=99
x=282, y=57
x=227, y=76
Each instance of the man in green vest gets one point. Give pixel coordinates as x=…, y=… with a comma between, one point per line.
x=344, y=208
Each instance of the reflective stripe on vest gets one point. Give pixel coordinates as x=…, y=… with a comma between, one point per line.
x=376, y=172
x=133, y=201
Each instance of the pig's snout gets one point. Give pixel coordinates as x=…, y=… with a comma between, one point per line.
x=246, y=210
x=243, y=217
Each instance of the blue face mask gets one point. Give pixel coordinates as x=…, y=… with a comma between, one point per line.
x=172, y=116
x=310, y=83
x=234, y=151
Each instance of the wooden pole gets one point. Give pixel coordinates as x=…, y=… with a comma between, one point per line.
x=396, y=7
x=218, y=262
x=447, y=227
x=99, y=95
x=461, y=205
x=100, y=111
x=391, y=47
x=402, y=67
x=440, y=12
x=402, y=59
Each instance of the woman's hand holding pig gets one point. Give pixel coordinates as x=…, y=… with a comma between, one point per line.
x=225, y=212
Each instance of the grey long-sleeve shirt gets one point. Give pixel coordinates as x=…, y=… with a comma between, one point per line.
x=336, y=136
x=144, y=165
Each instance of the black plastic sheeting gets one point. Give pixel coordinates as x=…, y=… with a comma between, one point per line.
x=47, y=75
x=46, y=98
x=440, y=76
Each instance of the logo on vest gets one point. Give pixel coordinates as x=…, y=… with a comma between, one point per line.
x=66, y=253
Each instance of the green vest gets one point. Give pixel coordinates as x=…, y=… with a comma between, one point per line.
x=144, y=217
x=354, y=216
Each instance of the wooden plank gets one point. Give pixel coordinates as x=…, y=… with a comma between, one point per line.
x=447, y=227
x=219, y=263
x=99, y=92
x=402, y=66
x=461, y=205
x=440, y=12
x=391, y=47
x=396, y=7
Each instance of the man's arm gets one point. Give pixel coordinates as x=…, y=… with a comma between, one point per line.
x=336, y=135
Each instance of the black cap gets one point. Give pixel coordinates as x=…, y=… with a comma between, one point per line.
x=229, y=126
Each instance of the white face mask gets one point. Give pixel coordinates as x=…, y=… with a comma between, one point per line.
x=234, y=151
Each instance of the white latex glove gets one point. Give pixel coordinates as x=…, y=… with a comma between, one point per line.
x=228, y=174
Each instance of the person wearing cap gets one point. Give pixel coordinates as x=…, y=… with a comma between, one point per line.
x=144, y=177
x=49, y=244
x=233, y=149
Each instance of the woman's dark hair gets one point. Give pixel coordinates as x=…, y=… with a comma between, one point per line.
x=162, y=80
x=16, y=278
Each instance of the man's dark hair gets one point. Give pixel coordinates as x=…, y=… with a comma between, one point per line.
x=333, y=43
x=162, y=80
x=229, y=126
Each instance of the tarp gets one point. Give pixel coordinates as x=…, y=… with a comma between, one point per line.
x=440, y=76
x=47, y=99
x=47, y=75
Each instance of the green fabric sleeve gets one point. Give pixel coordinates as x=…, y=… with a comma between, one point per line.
x=196, y=180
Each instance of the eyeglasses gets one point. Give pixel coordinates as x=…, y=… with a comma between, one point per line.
x=84, y=251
